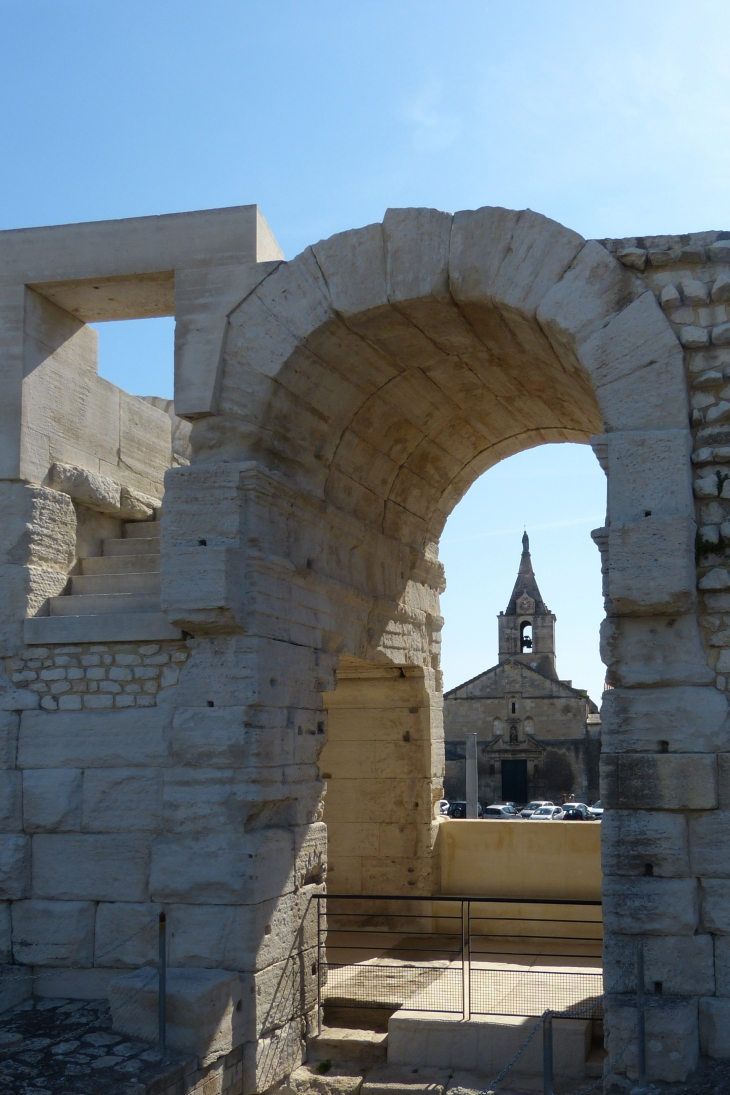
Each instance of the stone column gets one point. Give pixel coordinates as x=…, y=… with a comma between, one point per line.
x=383, y=764
x=244, y=850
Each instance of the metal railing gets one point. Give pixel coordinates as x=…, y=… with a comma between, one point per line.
x=463, y=955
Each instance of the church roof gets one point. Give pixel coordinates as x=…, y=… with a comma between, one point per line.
x=491, y=683
x=526, y=583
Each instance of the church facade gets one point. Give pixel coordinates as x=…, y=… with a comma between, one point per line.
x=537, y=736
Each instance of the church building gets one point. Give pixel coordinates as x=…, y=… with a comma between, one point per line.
x=537, y=736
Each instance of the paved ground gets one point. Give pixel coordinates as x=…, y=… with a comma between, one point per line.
x=66, y=1047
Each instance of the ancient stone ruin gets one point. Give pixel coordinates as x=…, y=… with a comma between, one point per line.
x=168, y=697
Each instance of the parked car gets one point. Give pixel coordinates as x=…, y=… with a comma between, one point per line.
x=547, y=813
x=497, y=811
x=577, y=811
x=529, y=810
x=443, y=806
x=458, y=809
x=596, y=809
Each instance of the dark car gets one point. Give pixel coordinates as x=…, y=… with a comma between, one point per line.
x=577, y=811
x=458, y=809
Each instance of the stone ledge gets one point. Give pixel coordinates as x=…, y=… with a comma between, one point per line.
x=112, y=627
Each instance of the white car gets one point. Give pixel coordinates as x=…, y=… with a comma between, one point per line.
x=497, y=810
x=596, y=809
x=443, y=806
x=547, y=813
x=529, y=810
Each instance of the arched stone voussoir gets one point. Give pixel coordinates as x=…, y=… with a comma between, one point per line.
x=273, y=320
x=509, y=258
x=417, y=245
x=353, y=267
x=594, y=289
x=636, y=366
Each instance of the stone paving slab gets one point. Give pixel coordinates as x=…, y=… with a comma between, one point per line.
x=52, y=1046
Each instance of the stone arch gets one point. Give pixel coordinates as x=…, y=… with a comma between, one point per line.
x=362, y=388
x=383, y=370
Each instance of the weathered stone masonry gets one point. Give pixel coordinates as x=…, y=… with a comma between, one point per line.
x=341, y=404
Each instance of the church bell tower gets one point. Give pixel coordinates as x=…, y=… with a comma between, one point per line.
x=527, y=626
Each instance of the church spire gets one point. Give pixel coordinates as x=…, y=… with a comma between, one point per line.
x=526, y=584
x=527, y=626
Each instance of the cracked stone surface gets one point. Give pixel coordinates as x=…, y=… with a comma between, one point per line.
x=49, y=1046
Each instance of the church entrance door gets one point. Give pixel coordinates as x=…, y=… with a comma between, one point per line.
x=514, y=781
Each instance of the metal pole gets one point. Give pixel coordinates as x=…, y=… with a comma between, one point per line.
x=472, y=809
x=640, y=1024
x=319, y=967
x=465, y=961
x=162, y=987
x=547, y=1053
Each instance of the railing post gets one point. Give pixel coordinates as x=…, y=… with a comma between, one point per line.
x=162, y=983
x=465, y=960
x=319, y=967
x=640, y=1023
x=547, y=1053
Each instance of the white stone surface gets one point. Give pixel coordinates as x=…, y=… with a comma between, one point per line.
x=636, y=720
x=201, y=1009
x=650, y=906
x=51, y=800
x=633, y=839
x=715, y=1027
x=672, y=1037
x=126, y=934
x=679, y=781
x=90, y=867
x=652, y=567
x=681, y=965
x=14, y=867
x=122, y=800
x=53, y=933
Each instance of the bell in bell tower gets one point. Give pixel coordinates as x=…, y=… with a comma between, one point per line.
x=527, y=626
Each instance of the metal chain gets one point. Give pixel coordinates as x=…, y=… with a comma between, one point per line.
x=489, y=1089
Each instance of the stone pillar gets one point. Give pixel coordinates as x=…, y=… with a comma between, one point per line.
x=663, y=727
x=244, y=850
x=383, y=764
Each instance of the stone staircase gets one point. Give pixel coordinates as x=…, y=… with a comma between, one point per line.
x=115, y=598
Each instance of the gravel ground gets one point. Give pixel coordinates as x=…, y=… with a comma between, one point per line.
x=66, y=1047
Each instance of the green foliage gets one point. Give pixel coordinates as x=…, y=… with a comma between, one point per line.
x=705, y=548
x=324, y=1066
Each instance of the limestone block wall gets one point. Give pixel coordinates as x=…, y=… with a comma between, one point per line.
x=97, y=676
x=383, y=773
x=663, y=836
x=343, y=403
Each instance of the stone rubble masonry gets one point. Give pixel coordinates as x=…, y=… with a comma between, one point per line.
x=341, y=405
x=97, y=676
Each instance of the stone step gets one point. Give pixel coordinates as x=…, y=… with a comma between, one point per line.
x=127, y=582
x=123, y=627
x=120, y=564
x=134, y=530
x=406, y=1080
x=96, y=603
x=136, y=545
x=345, y=1044
x=595, y=1062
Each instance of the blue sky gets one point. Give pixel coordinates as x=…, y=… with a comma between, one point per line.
x=612, y=118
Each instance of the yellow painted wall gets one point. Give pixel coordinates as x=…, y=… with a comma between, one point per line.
x=536, y=859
